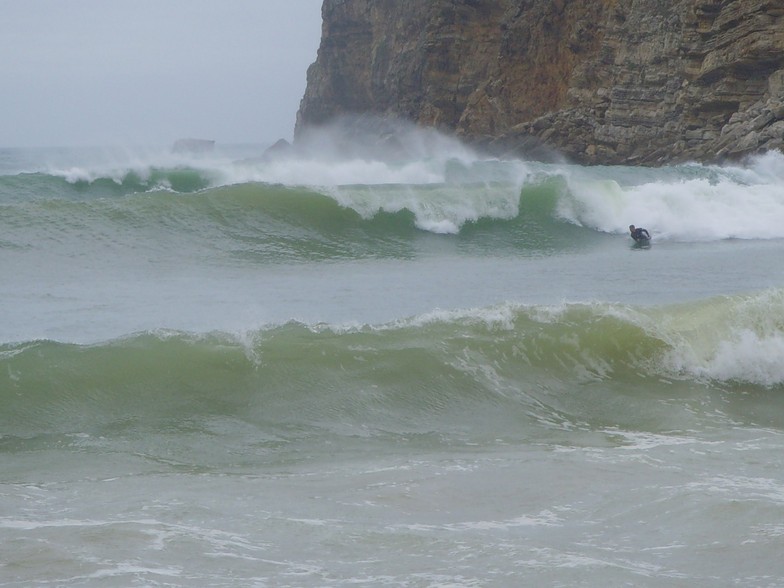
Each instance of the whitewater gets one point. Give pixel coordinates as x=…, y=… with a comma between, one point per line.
x=424, y=367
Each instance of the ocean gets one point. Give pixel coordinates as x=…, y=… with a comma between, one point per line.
x=429, y=370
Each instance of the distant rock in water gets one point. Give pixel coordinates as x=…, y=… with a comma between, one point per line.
x=599, y=81
x=281, y=148
x=193, y=146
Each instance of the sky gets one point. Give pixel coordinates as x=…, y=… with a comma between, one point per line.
x=149, y=72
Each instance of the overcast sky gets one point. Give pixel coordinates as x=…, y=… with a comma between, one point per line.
x=147, y=72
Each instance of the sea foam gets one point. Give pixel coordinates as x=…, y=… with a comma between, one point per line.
x=719, y=203
x=739, y=339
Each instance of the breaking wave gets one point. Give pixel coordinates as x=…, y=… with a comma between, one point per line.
x=403, y=376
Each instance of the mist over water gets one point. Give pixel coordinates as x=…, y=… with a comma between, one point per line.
x=388, y=361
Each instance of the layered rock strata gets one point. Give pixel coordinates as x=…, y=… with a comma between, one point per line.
x=598, y=81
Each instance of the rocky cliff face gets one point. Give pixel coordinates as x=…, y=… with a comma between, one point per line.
x=599, y=81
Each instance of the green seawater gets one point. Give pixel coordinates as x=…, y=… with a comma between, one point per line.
x=449, y=371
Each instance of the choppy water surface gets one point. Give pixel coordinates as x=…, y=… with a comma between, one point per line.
x=436, y=371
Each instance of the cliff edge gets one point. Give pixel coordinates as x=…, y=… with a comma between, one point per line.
x=598, y=81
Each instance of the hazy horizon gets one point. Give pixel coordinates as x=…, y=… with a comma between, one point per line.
x=92, y=73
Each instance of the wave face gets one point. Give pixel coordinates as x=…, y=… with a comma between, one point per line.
x=435, y=372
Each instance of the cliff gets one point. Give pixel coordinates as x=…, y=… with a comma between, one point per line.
x=599, y=81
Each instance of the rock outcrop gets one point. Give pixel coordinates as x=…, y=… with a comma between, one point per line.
x=598, y=81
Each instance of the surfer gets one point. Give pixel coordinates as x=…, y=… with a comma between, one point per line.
x=639, y=234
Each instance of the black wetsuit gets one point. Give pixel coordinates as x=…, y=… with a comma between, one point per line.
x=641, y=234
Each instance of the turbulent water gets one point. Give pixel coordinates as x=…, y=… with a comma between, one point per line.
x=434, y=370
